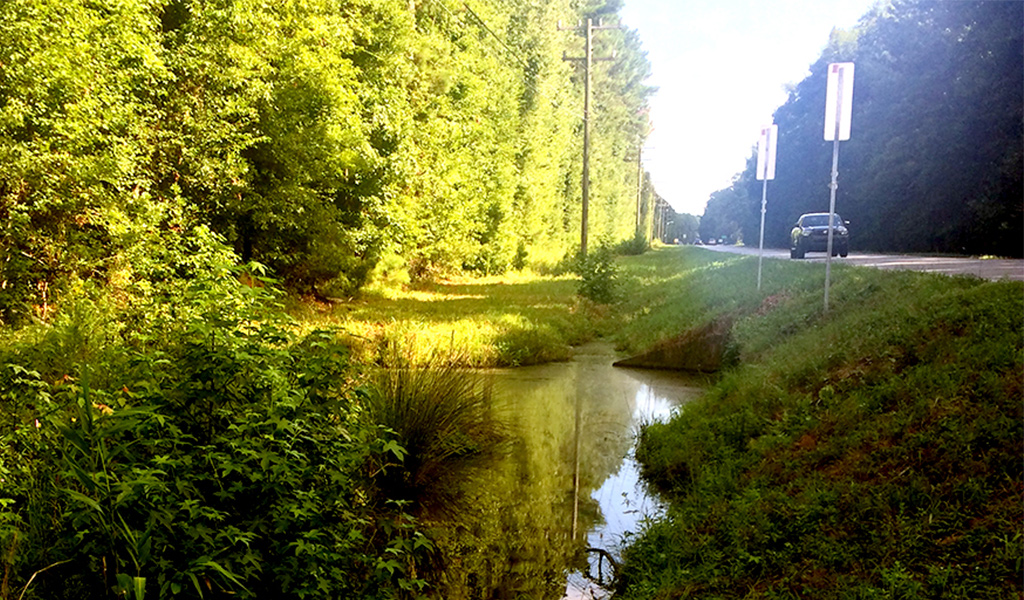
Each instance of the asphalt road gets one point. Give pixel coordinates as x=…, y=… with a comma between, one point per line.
x=985, y=268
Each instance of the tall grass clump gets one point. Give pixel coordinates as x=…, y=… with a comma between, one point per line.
x=870, y=451
x=447, y=444
x=445, y=429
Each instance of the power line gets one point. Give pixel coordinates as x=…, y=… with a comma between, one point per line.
x=531, y=70
x=483, y=24
x=499, y=40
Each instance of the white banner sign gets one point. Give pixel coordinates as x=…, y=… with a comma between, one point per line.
x=838, y=101
x=766, y=152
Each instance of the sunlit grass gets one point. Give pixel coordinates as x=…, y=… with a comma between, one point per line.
x=517, y=319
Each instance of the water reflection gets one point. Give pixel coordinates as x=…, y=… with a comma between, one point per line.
x=520, y=543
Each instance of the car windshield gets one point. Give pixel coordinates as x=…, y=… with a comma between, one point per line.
x=820, y=220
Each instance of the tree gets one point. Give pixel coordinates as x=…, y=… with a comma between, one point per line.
x=312, y=137
x=935, y=160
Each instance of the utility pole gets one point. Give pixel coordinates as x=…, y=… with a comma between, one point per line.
x=587, y=61
x=639, y=186
x=656, y=229
x=659, y=225
x=639, y=183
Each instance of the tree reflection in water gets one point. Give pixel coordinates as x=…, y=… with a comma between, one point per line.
x=518, y=542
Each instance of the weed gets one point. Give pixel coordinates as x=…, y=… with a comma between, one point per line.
x=598, y=276
x=221, y=457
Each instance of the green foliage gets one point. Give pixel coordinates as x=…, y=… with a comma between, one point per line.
x=727, y=216
x=633, y=247
x=518, y=319
x=530, y=344
x=598, y=275
x=225, y=458
x=869, y=451
x=442, y=433
x=311, y=137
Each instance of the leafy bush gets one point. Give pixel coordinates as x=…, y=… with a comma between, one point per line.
x=598, y=275
x=225, y=459
x=634, y=246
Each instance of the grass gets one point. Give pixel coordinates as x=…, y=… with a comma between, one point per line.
x=446, y=432
x=528, y=318
x=871, y=451
x=514, y=320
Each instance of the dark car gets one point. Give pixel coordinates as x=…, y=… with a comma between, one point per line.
x=810, y=234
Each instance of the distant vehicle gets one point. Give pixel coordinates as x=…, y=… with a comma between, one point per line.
x=810, y=234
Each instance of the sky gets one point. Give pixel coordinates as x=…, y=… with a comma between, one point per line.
x=721, y=67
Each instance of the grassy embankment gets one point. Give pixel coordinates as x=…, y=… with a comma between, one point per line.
x=873, y=451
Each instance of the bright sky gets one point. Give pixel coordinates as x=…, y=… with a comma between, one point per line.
x=721, y=67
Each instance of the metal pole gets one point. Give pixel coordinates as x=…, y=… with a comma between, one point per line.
x=833, y=186
x=586, y=140
x=760, y=251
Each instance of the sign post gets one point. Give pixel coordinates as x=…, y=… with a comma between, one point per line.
x=765, y=171
x=838, y=110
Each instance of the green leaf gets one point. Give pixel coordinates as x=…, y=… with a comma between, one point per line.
x=396, y=449
x=139, y=587
x=91, y=503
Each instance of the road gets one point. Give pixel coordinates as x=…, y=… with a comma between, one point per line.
x=985, y=268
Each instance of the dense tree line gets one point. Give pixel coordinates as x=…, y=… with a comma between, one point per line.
x=321, y=138
x=934, y=163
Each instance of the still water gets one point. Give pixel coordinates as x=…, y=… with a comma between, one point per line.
x=568, y=482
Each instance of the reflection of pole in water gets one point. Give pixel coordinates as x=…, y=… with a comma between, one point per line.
x=576, y=468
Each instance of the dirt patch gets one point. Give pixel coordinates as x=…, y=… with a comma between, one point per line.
x=703, y=349
x=771, y=303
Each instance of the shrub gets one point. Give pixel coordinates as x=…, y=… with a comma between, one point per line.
x=225, y=459
x=634, y=246
x=598, y=275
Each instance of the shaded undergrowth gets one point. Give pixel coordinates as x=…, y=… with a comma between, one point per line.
x=218, y=455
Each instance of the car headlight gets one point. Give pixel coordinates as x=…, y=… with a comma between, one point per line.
x=805, y=232
x=842, y=231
